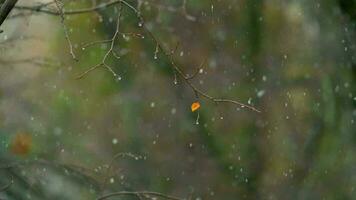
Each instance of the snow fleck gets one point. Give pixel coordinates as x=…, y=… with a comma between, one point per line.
x=153, y=104
x=173, y=111
x=261, y=93
x=114, y=141
x=112, y=180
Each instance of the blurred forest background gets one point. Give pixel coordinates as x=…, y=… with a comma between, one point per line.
x=68, y=138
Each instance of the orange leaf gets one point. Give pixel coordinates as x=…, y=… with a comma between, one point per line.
x=195, y=106
x=21, y=144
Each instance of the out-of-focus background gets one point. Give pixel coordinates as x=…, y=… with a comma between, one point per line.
x=295, y=60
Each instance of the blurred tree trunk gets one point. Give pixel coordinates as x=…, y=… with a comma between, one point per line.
x=254, y=61
x=5, y=9
x=348, y=7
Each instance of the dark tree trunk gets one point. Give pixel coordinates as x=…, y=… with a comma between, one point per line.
x=5, y=9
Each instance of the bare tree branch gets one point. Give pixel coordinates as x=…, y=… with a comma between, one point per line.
x=110, y=165
x=159, y=47
x=60, y=11
x=187, y=80
x=110, y=51
x=43, y=8
x=46, y=10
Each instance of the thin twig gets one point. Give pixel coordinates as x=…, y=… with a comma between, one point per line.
x=197, y=70
x=110, y=51
x=89, y=44
x=115, y=157
x=180, y=72
x=61, y=14
x=159, y=46
x=97, y=7
x=46, y=10
x=137, y=194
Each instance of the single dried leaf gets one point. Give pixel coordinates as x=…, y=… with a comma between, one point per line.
x=195, y=106
x=21, y=144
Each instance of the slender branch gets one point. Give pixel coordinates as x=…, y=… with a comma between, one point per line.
x=46, y=10
x=159, y=46
x=198, y=70
x=89, y=44
x=61, y=14
x=180, y=72
x=109, y=52
x=138, y=195
x=43, y=8
x=115, y=157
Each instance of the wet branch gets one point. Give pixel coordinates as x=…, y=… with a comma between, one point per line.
x=109, y=52
x=176, y=67
x=110, y=165
x=159, y=47
x=139, y=195
x=61, y=14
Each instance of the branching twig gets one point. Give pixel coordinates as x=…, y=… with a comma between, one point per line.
x=110, y=51
x=61, y=14
x=43, y=8
x=187, y=79
x=47, y=10
x=159, y=46
x=177, y=68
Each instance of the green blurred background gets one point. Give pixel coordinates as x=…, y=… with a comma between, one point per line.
x=295, y=60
